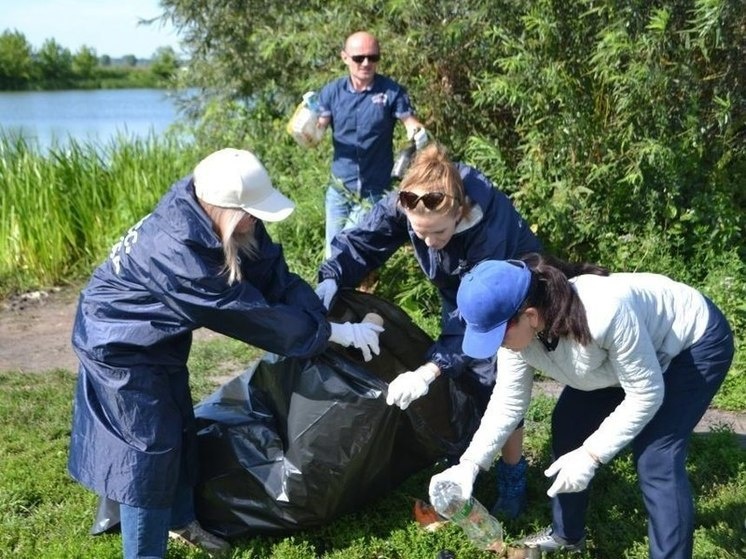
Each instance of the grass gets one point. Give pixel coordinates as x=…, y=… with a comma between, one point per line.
x=44, y=514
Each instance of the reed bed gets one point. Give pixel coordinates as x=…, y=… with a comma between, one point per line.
x=61, y=210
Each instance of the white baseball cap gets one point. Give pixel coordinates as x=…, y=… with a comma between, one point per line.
x=235, y=178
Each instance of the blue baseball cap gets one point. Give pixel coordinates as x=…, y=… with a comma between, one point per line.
x=489, y=295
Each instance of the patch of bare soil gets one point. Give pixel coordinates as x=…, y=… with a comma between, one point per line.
x=36, y=327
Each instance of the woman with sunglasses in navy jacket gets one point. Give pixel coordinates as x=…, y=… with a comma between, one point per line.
x=454, y=218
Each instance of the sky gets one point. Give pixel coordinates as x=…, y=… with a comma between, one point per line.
x=108, y=26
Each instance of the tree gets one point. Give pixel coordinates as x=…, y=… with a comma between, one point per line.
x=84, y=63
x=130, y=60
x=164, y=63
x=55, y=64
x=16, y=63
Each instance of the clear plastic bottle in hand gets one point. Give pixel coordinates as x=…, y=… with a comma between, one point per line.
x=480, y=526
x=303, y=125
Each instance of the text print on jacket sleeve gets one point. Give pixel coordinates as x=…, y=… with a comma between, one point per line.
x=125, y=243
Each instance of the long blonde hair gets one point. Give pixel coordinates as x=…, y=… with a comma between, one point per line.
x=235, y=245
x=433, y=171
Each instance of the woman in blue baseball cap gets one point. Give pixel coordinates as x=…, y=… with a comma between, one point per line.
x=641, y=356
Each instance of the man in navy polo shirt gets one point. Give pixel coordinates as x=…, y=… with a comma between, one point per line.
x=362, y=109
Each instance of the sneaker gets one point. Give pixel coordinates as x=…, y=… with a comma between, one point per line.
x=196, y=536
x=546, y=541
x=511, y=489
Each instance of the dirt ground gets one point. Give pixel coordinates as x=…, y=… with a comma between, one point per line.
x=35, y=331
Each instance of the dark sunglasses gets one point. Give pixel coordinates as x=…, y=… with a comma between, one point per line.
x=431, y=200
x=360, y=58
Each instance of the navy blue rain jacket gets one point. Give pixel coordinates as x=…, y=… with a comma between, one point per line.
x=501, y=234
x=133, y=422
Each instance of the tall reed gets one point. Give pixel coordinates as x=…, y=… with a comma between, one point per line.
x=61, y=210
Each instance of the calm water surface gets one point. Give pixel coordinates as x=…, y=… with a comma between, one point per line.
x=51, y=118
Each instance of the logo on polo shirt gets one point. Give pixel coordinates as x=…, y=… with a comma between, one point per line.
x=379, y=99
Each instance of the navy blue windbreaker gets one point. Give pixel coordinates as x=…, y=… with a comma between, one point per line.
x=501, y=234
x=133, y=421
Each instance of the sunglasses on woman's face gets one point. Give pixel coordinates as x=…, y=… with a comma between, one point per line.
x=360, y=58
x=431, y=200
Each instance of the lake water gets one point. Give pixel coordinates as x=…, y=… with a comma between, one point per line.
x=47, y=118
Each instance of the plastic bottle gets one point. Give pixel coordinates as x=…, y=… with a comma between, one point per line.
x=302, y=125
x=403, y=160
x=480, y=526
x=311, y=100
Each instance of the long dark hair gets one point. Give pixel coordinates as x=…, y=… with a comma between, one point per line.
x=552, y=294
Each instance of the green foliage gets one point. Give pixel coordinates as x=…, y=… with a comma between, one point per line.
x=130, y=60
x=55, y=67
x=165, y=64
x=55, y=64
x=614, y=125
x=16, y=63
x=619, y=130
x=85, y=62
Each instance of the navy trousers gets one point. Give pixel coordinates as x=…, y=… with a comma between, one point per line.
x=660, y=450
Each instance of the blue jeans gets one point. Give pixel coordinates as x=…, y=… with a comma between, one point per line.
x=659, y=450
x=344, y=209
x=145, y=530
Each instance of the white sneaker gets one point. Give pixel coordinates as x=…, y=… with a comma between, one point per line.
x=193, y=534
x=547, y=542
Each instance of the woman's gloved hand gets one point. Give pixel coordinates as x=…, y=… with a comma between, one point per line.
x=462, y=474
x=574, y=472
x=362, y=335
x=409, y=386
x=326, y=291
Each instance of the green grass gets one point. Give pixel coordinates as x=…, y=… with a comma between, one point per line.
x=44, y=514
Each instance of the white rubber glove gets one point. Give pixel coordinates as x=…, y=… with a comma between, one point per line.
x=462, y=474
x=362, y=335
x=326, y=291
x=574, y=472
x=420, y=137
x=409, y=386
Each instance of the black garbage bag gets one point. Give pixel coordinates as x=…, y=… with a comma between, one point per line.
x=294, y=443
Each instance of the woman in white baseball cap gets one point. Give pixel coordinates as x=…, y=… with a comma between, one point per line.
x=202, y=258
